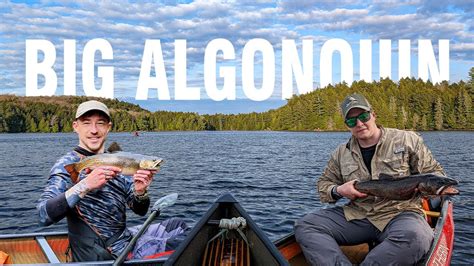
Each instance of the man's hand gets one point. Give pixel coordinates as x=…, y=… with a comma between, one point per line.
x=348, y=190
x=142, y=180
x=100, y=175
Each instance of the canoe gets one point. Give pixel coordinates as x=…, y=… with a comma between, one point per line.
x=197, y=248
x=257, y=249
x=439, y=214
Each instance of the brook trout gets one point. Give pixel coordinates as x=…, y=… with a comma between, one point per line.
x=406, y=187
x=128, y=162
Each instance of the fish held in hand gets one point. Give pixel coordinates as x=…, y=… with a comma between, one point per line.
x=426, y=185
x=128, y=162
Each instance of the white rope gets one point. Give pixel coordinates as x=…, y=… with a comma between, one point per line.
x=234, y=223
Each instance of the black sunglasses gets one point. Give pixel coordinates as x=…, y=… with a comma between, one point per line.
x=352, y=121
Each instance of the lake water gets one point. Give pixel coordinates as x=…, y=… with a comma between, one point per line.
x=272, y=174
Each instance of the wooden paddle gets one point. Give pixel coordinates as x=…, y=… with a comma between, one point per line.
x=160, y=204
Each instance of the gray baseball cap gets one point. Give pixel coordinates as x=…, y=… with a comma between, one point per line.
x=92, y=105
x=355, y=101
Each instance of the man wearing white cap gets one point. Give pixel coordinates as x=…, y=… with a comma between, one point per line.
x=398, y=228
x=95, y=205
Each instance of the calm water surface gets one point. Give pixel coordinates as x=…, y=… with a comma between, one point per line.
x=272, y=174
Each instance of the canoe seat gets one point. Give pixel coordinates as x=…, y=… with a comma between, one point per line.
x=356, y=253
x=431, y=209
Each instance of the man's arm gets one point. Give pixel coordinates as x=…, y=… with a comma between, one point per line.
x=52, y=205
x=332, y=186
x=138, y=199
x=329, y=180
x=60, y=195
x=422, y=160
x=139, y=204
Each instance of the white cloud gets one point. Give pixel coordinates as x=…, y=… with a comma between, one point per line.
x=127, y=25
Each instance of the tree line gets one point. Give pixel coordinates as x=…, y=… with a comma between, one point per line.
x=409, y=104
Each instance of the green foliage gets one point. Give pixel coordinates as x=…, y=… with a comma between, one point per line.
x=410, y=104
x=471, y=79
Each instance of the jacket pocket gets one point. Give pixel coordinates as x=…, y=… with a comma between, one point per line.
x=396, y=166
x=350, y=172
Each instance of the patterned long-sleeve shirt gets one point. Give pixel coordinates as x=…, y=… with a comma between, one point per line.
x=103, y=209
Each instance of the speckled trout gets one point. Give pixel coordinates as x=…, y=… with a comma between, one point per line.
x=428, y=185
x=128, y=162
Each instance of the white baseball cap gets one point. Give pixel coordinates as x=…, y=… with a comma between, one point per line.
x=92, y=105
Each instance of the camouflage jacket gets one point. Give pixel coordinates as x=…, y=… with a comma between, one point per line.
x=398, y=153
x=104, y=210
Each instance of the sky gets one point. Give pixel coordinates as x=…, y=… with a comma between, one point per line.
x=126, y=25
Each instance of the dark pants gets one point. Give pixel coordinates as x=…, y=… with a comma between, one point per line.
x=404, y=240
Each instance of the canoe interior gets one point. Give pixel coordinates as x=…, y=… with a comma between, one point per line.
x=292, y=252
x=193, y=250
x=440, y=219
x=27, y=250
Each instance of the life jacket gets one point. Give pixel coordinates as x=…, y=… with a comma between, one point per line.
x=85, y=243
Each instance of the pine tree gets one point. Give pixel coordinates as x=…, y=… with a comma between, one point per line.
x=471, y=79
x=43, y=126
x=416, y=122
x=438, y=114
x=31, y=126
x=424, y=123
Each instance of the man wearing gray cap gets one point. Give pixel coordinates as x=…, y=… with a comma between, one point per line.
x=398, y=228
x=95, y=204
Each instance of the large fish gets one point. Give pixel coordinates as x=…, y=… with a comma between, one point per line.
x=407, y=187
x=128, y=162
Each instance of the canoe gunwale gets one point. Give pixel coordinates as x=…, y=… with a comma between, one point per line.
x=36, y=234
x=445, y=219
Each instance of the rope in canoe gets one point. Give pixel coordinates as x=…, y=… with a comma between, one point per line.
x=233, y=223
x=236, y=223
x=224, y=250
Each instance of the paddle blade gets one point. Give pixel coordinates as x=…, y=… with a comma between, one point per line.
x=165, y=201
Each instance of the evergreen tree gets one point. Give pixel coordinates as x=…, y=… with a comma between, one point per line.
x=471, y=79
x=438, y=114
x=32, y=127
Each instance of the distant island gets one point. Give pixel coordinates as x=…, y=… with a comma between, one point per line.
x=409, y=104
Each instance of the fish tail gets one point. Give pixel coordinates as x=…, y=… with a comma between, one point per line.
x=71, y=169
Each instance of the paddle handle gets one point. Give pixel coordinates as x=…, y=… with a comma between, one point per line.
x=120, y=259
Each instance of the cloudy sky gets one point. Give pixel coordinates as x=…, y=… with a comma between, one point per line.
x=126, y=25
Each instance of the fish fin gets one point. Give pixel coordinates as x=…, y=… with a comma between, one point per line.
x=385, y=177
x=71, y=169
x=114, y=147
